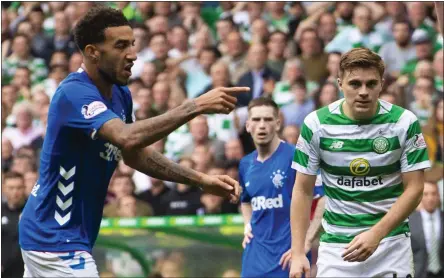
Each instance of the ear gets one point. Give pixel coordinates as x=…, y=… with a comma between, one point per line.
x=339, y=83
x=279, y=121
x=248, y=126
x=92, y=53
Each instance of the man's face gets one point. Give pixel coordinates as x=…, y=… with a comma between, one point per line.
x=394, y=9
x=24, y=119
x=144, y=99
x=199, y=129
x=401, y=33
x=234, y=150
x=40, y=100
x=327, y=27
x=161, y=94
x=30, y=180
x=9, y=95
x=61, y=23
x=117, y=55
x=223, y=28
x=140, y=37
x=14, y=189
x=423, y=90
x=21, y=78
x=149, y=74
x=333, y=64
x=220, y=74
x=159, y=46
x=423, y=50
x=309, y=43
x=20, y=47
x=122, y=187
x=361, y=87
x=416, y=11
x=257, y=56
x=206, y=59
x=345, y=10
x=329, y=94
x=430, y=199
x=277, y=44
x=362, y=19
x=259, y=28
x=263, y=124
x=235, y=44
x=179, y=38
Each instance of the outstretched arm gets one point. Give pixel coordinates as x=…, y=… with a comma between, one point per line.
x=143, y=133
x=152, y=163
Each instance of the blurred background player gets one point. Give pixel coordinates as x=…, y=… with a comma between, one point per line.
x=374, y=186
x=267, y=179
x=90, y=128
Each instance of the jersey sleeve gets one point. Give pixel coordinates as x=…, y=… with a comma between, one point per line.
x=306, y=156
x=414, y=151
x=244, y=197
x=83, y=109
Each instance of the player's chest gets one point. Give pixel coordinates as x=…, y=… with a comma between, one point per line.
x=268, y=181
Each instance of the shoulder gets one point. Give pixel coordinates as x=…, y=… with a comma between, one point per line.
x=247, y=160
x=288, y=148
x=75, y=86
x=315, y=119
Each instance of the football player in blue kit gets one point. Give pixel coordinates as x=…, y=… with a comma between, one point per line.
x=90, y=128
x=267, y=179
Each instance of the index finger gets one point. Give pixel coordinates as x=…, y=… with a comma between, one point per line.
x=235, y=90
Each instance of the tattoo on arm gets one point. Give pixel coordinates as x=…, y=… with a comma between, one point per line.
x=156, y=165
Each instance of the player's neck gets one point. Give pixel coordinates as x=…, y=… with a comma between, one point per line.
x=358, y=117
x=105, y=88
x=265, y=151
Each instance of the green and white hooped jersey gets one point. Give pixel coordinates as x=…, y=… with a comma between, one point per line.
x=361, y=165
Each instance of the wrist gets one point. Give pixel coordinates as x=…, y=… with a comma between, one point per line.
x=192, y=107
x=378, y=232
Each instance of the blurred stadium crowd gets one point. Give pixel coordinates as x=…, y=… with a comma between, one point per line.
x=289, y=51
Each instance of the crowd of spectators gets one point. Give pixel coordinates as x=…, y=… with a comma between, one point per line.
x=289, y=51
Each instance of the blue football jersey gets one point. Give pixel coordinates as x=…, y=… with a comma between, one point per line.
x=64, y=211
x=268, y=186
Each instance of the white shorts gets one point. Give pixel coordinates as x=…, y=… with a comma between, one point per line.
x=63, y=264
x=393, y=258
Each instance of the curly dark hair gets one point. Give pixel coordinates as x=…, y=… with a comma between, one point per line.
x=91, y=28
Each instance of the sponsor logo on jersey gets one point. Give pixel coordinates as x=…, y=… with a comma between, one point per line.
x=278, y=178
x=380, y=145
x=337, y=145
x=359, y=181
x=262, y=203
x=93, y=109
x=419, y=141
x=34, y=190
x=360, y=167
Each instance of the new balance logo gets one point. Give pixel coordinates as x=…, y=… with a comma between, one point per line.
x=262, y=203
x=336, y=145
x=64, y=206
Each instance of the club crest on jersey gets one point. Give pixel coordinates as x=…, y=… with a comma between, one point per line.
x=278, y=178
x=93, y=109
x=380, y=145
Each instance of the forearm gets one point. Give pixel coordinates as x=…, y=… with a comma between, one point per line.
x=154, y=164
x=403, y=207
x=247, y=211
x=144, y=133
x=315, y=224
x=299, y=219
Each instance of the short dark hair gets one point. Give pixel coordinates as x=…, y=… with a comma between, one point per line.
x=264, y=101
x=300, y=82
x=12, y=175
x=212, y=49
x=91, y=28
x=361, y=58
x=404, y=21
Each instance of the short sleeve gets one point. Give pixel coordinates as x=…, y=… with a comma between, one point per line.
x=245, y=197
x=84, y=109
x=306, y=156
x=318, y=190
x=414, y=152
